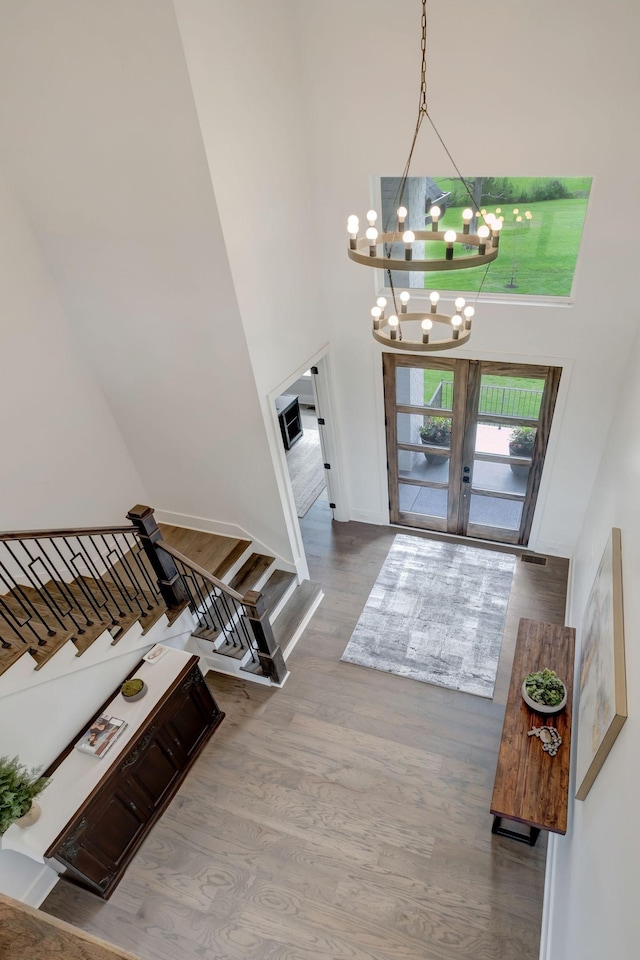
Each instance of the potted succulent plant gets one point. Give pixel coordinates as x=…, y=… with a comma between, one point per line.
x=18, y=789
x=544, y=691
x=133, y=689
x=521, y=443
x=436, y=432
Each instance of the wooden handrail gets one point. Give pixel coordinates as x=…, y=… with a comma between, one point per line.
x=75, y=532
x=192, y=565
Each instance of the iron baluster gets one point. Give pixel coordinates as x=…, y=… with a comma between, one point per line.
x=60, y=587
x=75, y=577
x=135, y=584
x=36, y=586
x=112, y=573
x=136, y=551
x=10, y=619
x=101, y=584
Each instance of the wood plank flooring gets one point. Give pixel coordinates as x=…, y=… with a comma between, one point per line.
x=345, y=817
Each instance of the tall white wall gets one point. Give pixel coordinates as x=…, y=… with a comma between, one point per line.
x=244, y=62
x=516, y=89
x=63, y=460
x=101, y=137
x=593, y=910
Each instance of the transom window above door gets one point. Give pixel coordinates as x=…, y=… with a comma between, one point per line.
x=540, y=238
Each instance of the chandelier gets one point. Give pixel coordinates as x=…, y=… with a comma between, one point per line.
x=477, y=244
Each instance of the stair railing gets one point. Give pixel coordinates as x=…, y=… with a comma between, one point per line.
x=73, y=583
x=225, y=617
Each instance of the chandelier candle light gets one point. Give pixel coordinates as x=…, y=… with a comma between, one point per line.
x=455, y=251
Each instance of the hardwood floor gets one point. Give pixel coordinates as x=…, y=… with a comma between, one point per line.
x=345, y=817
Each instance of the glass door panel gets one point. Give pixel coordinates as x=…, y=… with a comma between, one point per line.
x=419, y=387
x=511, y=396
x=495, y=512
x=424, y=501
x=424, y=429
x=415, y=466
x=500, y=477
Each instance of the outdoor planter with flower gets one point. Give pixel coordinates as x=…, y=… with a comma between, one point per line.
x=436, y=432
x=521, y=443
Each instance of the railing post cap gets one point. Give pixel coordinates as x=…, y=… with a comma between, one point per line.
x=139, y=512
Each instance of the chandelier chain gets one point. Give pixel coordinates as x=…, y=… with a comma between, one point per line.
x=423, y=66
x=399, y=197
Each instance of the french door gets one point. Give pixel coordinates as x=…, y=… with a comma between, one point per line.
x=466, y=441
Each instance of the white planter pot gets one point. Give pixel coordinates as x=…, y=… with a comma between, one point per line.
x=540, y=707
x=30, y=817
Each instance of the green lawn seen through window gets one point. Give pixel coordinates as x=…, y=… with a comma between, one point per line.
x=491, y=400
x=537, y=256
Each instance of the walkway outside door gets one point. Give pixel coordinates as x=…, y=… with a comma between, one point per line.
x=462, y=474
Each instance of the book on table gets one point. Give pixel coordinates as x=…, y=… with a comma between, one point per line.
x=101, y=735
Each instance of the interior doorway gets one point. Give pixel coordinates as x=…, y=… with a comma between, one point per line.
x=301, y=427
x=466, y=442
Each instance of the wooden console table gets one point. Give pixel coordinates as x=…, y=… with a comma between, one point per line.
x=96, y=812
x=532, y=787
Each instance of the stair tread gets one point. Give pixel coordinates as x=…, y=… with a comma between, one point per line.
x=228, y=650
x=41, y=654
x=174, y=612
x=251, y=667
x=99, y=608
x=202, y=632
x=276, y=587
x=82, y=634
x=250, y=572
x=294, y=611
x=28, y=611
x=215, y=553
x=9, y=657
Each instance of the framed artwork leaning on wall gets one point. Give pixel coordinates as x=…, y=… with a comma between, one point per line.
x=602, y=709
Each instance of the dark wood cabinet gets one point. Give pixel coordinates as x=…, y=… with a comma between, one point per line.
x=103, y=835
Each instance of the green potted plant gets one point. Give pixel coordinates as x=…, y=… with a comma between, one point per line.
x=521, y=444
x=544, y=691
x=436, y=432
x=133, y=689
x=18, y=789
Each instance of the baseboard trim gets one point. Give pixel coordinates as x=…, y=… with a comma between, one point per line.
x=223, y=529
x=41, y=887
x=370, y=516
x=551, y=549
x=546, y=928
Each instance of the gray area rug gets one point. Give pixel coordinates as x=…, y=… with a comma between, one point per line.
x=436, y=613
x=306, y=470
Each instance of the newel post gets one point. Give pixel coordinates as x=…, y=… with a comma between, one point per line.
x=269, y=652
x=171, y=588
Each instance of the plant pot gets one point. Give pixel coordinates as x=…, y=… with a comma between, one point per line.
x=541, y=707
x=136, y=696
x=433, y=457
x=516, y=468
x=30, y=817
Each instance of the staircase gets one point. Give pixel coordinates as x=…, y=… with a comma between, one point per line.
x=71, y=587
x=223, y=636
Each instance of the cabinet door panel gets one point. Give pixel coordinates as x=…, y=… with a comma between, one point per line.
x=153, y=772
x=190, y=717
x=114, y=826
